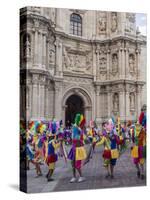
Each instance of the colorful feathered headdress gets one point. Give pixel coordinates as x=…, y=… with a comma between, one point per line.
x=80, y=120
x=54, y=126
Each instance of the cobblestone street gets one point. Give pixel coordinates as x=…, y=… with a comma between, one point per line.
x=94, y=172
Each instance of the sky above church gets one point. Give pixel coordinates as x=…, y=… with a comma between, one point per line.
x=141, y=21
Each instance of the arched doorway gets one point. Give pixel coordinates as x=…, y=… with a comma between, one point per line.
x=74, y=105
x=81, y=100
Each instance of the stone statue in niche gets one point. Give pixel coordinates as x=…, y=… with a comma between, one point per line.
x=101, y=22
x=130, y=21
x=116, y=102
x=114, y=63
x=66, y=60
x=51, y=56
x=113, y=21
x=27, y=46
x=132, y=100
x=101, y=25
x=131, y=62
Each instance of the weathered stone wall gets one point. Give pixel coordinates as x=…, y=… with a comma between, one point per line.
x=106, y=66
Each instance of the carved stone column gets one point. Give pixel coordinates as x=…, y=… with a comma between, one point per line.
x=127, y=62
x=87, y=114
x=108, y=64
x=40, y=49
x=97, y=63
x=108, y=28
x=138, y=71
x=138, y=99
x=36, y=48
x=58, y=19
x=97, y=101
x=44, y=59
x=35, y=97
x=123, y=63
x=29, y=102
x=120, y=62
x=58, y=71
x=122, y=105
x=51, y=103
x=42, y=102
x=94, y=62
x=127, y=110
x=57, y=102
x=109, y=99
x=46, y=99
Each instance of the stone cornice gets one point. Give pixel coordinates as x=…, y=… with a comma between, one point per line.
x=103, y=41
x=49, y=23
x=119, y=82
x=25, y=17
x=37, y=71
x=79, y=75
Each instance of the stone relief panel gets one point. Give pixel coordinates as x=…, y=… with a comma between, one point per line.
x=102, y=67
x=77, y=80
x=101, y=22
x=101, y=53
x=114, y=21
x=77, y=61
x=130, y=22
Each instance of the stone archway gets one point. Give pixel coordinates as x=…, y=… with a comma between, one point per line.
x=76, y=100
x=74, y=105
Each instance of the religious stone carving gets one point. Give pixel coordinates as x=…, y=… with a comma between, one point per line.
x=130, y=22
x=51, y=56
x=114, y=63
x=132, y=101
x=102, y=68
x=116, y=102
x=42, y=80
x=101, y=25
x=102, y=64
x=88, y=62
x=113, y=21
x=35, y=78
x=67, y=62
x=77, y=62
x=26, y=46
x=131, y=63
x=131, y=88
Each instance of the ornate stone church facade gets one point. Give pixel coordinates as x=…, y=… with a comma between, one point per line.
x=86, y=61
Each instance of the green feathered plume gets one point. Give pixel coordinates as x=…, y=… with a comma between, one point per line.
x=77, y=119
